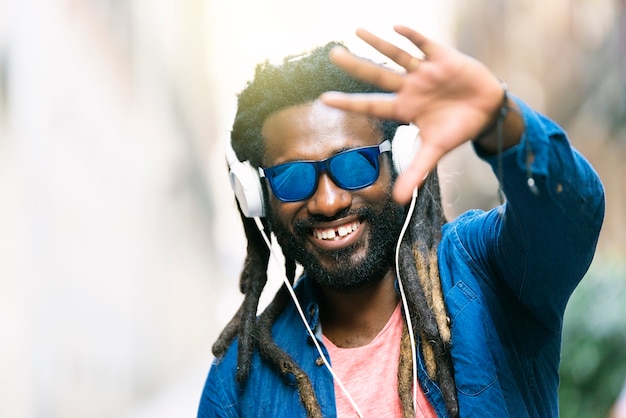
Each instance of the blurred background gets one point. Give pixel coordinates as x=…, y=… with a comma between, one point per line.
x=119, y=244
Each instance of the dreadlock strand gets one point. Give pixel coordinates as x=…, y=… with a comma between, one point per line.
x=445, y=378
x=271, y=312
x=405, y=375
x=423, y=274
x=425, y=325
x=247, y=327
x=252, y=282
x=281, y=360
x=422, y=265
x=307, y=394
x=257, y=256
x=421, y=228
x=287, y=366
x=430, y=359
x=438, y=218
x=227, y=335
x=438, y=305
x=257, y=253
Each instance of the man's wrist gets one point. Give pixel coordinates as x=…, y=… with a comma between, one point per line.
x=506, y=131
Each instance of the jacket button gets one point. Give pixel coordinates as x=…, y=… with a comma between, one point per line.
x=319, y=361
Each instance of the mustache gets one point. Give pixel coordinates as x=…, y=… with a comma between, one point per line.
x=301, y=227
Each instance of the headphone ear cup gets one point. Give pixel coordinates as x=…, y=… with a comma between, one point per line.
x=246, y=185
x=404, y=146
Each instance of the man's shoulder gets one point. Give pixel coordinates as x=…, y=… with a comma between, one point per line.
x=470, y=225
x=463, y=219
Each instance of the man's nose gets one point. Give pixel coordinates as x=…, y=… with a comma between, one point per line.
x=328, y=199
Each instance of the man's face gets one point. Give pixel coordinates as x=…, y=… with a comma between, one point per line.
x=344, y=239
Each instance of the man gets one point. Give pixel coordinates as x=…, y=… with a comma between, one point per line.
x=485, y=293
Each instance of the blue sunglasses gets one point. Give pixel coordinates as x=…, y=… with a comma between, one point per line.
x=353, y=169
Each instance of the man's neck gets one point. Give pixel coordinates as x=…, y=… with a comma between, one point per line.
x=354, y=318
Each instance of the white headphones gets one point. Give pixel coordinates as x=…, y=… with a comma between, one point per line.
x=246, y=182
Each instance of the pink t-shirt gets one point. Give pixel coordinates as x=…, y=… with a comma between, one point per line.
x=370, y=375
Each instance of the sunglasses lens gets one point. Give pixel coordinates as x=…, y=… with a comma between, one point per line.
x=355, y=169
x=294, y=181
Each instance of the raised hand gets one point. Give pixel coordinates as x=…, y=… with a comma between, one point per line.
x=450, y=96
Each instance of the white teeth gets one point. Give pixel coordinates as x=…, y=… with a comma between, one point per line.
x=332, y=233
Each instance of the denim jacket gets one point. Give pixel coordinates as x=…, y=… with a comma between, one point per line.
x=506, y=275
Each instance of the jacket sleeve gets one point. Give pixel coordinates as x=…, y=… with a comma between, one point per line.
x=540, y=243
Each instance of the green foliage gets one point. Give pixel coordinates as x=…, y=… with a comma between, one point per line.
x=593, y=362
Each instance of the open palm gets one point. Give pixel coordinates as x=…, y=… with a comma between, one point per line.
x=450, y=96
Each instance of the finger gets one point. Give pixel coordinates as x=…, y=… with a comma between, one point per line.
x=425, y=161
x=365, y=70
x=413, y=64
x=398, y=55
x=427, y=46
x=378, y=105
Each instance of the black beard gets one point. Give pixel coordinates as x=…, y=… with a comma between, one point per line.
x=385, y=229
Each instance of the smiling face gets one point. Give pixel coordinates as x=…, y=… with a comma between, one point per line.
x=344, y=239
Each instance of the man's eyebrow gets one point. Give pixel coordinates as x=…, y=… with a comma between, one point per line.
x=332, y=154
x=342, y=149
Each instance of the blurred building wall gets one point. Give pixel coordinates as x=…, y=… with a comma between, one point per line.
x=567, y=59
x=105, y=246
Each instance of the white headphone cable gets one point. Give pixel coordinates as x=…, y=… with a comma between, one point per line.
x=304, y=321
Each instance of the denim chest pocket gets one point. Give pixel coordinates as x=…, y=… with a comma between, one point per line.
x=474, y=367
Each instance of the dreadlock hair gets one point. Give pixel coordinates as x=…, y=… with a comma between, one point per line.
x=300, y=80
x=419, y=272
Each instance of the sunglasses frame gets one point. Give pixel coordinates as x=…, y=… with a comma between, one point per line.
x=320, y=166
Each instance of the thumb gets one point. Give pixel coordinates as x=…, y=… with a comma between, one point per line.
x=414, y=176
